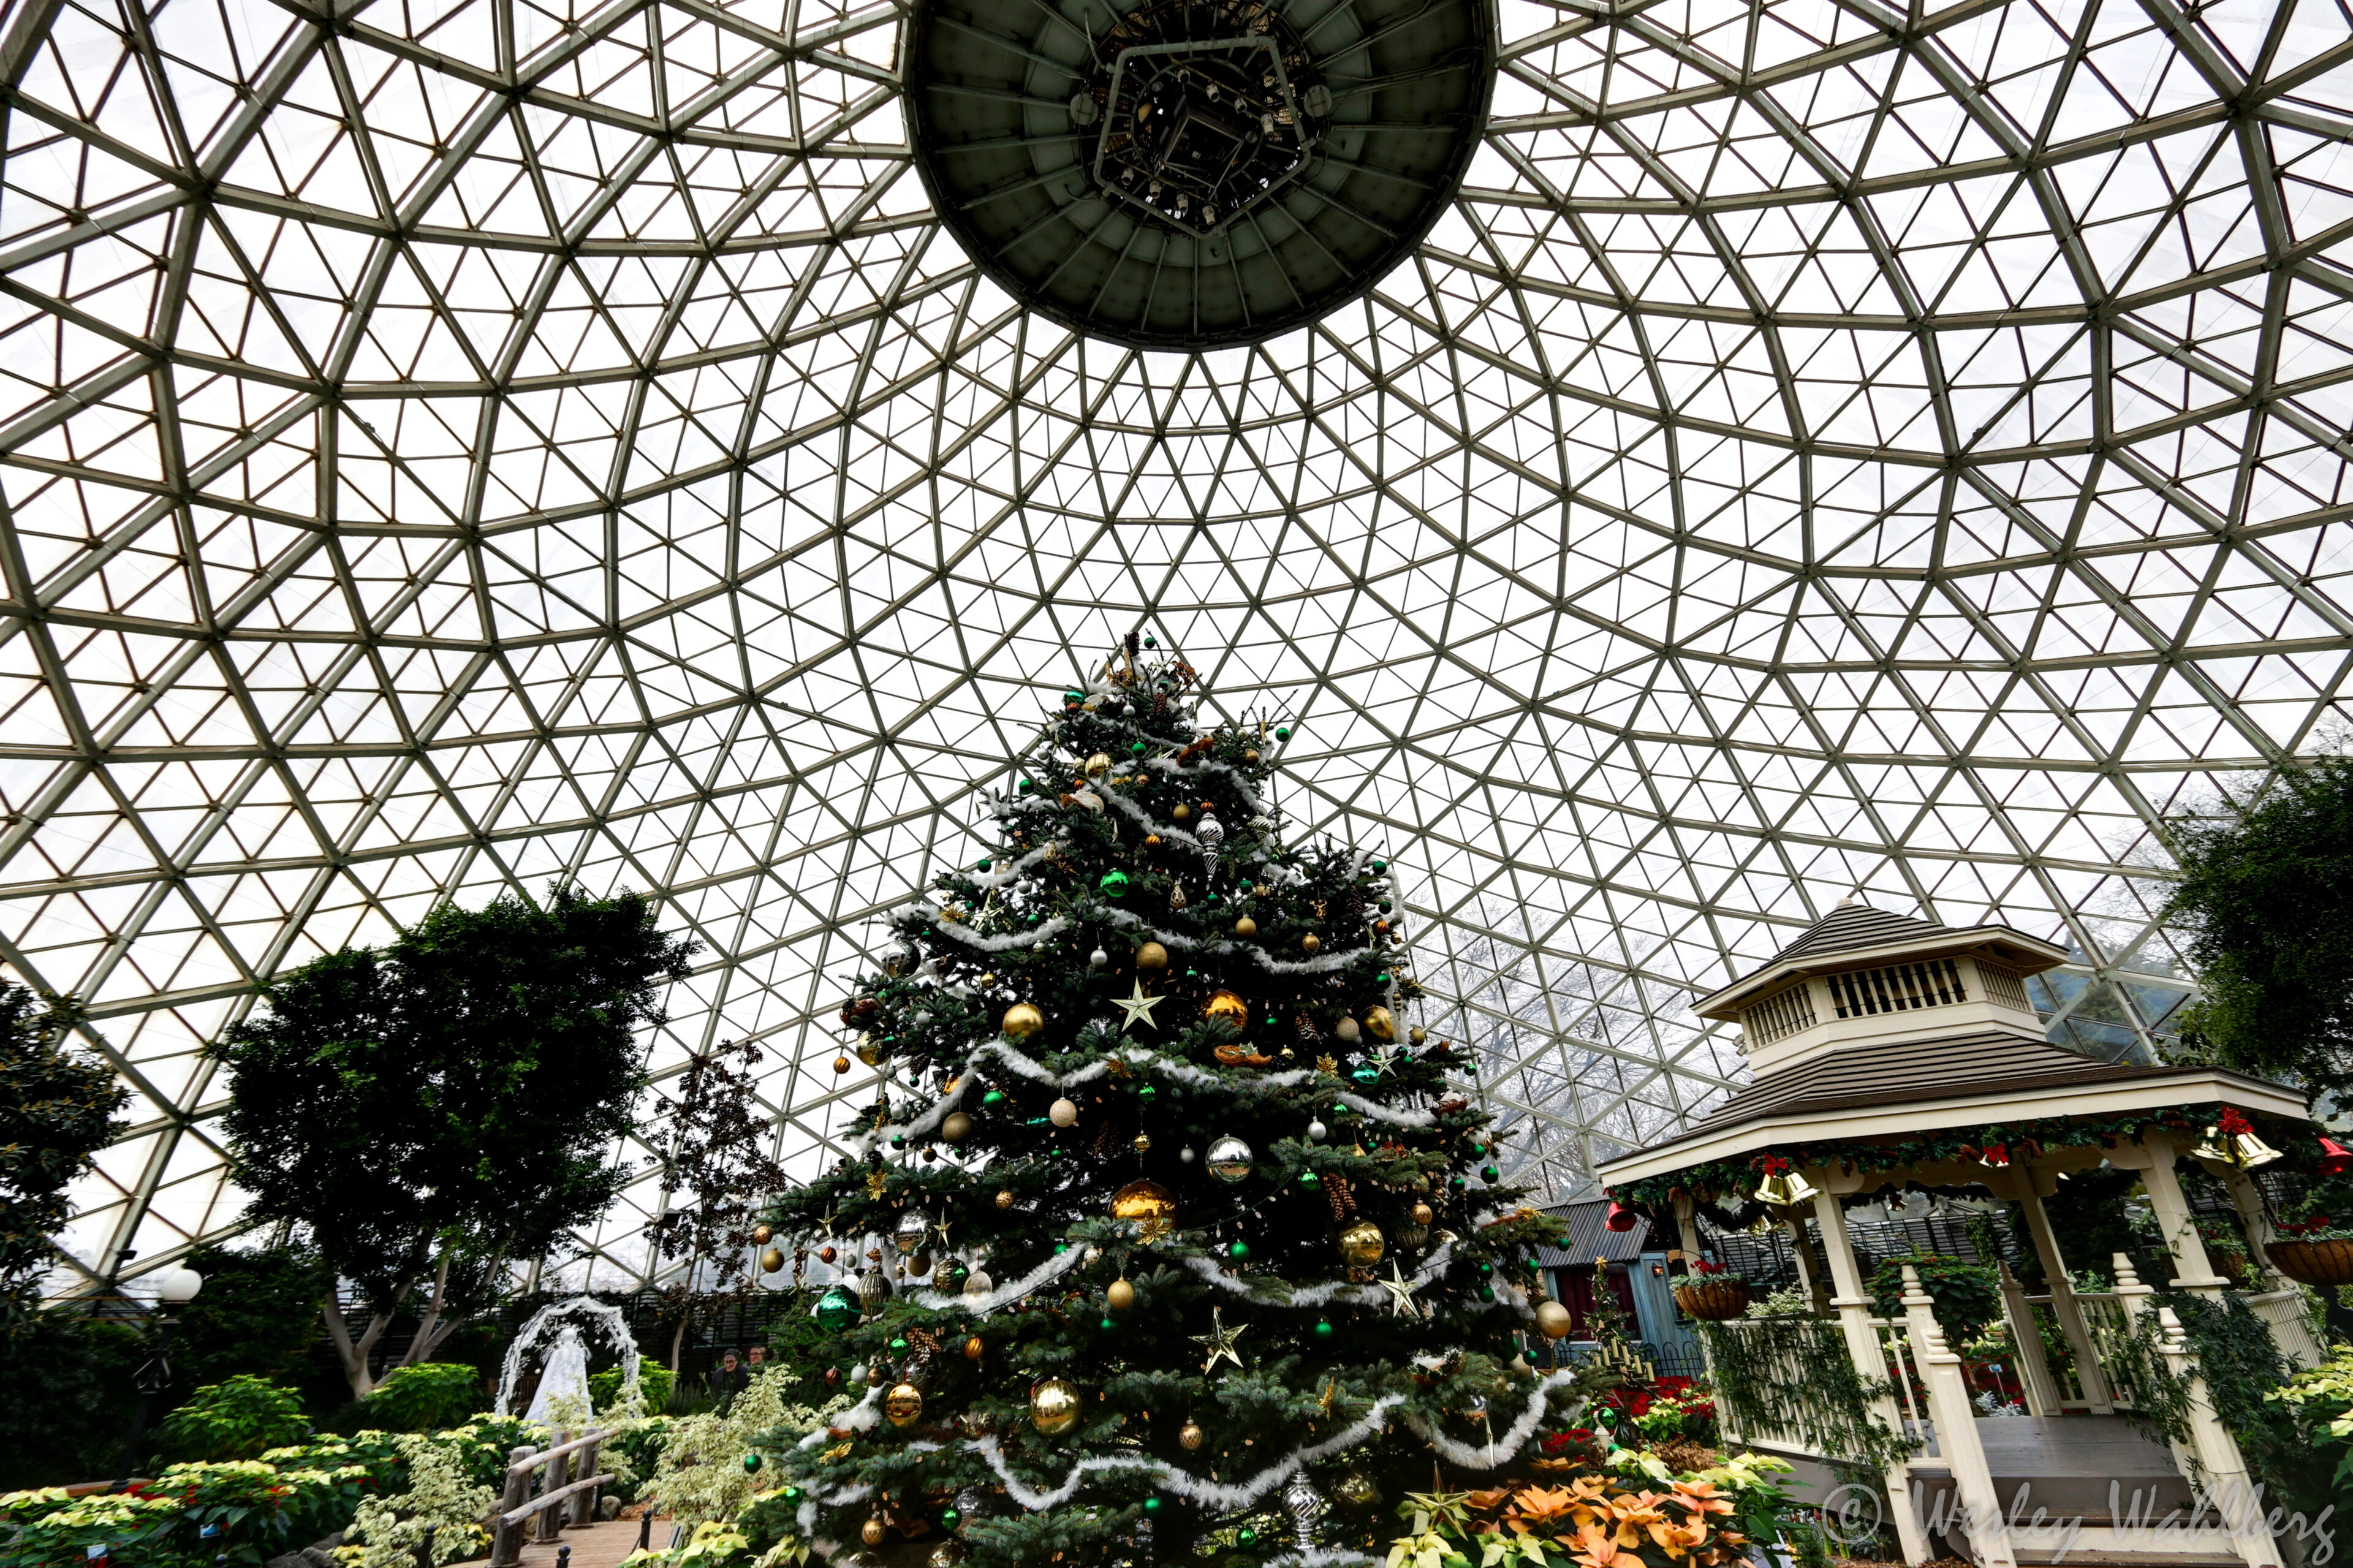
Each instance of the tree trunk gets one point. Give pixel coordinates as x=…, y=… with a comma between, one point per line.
x=354, y=1354
x=678, y=1342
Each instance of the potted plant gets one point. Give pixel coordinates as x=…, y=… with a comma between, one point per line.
x=2317, y=1249
x=1713, y=1292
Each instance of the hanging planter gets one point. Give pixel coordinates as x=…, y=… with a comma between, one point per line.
x=1712, y=1295
x=2312, y=1262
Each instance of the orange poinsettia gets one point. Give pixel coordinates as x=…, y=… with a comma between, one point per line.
x=1596, y=1547
x=1543, y=1511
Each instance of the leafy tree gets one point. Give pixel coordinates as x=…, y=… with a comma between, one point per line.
x=432, y=1108
x=257, y=1314
x=57, y=1110
x=2266, y=899
x=422, y=1398
x=718, y=1158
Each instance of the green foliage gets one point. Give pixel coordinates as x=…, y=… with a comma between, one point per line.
x=258, y=1313
x=260, y=1511
x=419, y=1398
x=1827, y=1407
x=654, y=1383
x=2266, y=898
x=242, y=1418
x=57, y=1110
x=65, y=1387
x=2321, y=1403
x=434, y=1106
x=1968, y=1295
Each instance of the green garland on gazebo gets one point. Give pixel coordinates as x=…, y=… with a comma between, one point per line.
x=1726, y=1184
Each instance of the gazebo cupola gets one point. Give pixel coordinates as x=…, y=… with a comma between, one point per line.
x=1866, y=977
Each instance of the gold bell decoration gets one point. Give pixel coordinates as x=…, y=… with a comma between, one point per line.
x=1783, y=1186
x=2233, y=1141
x=1151, y=1206
x=1053, y=1405
x=1225, y=1005
x=903, y=1405
x=1022, y=1020
x=1362, y=1243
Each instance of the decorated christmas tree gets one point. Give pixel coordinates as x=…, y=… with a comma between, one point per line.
x=1167, y=1234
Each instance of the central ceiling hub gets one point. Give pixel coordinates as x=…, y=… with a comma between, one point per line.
x=1197, y=130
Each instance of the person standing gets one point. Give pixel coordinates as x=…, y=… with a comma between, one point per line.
x=728, y=1381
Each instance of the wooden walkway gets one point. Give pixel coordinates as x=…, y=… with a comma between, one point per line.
x=593, y=1545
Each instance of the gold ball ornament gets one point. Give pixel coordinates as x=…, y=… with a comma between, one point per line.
x=1379, y=1024
x=1418, y=1035
x=1098, y=765
x=1191, y=1435
x=1362, y=1243
x=1152, y=956
x=841, y=1064
x=873, y=1531
x=1246, y=926
x=956, y=1126
x=1311, y=943
x=975, y=1347
x=1120, y=1296
x=1063, y=1114
x=1004, y=1198
x=1225, y=1005
x=1552, y=1320
x=771, y=1261
x=1150, y=1205
x=945, y=1555
x=1054, y=1406
x=903, y=1405
x=870, y=1050
x=1183, y=813
x=762, y=1235
x=1423, y=1213
x=1143, y=1142
x=1250, y=758
x=1023, y=1020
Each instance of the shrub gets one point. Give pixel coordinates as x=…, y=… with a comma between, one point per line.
x=423, y=1397
x=239, y=1419
x=441, y=1496
x=654, y=1383
x=1968, y=1295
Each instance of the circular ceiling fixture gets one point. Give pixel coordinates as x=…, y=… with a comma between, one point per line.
x=1180, y=175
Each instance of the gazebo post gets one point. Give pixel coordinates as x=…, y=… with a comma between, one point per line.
x=2192, y=1271
x=1810, y=1267
x=2089, y=1375
x=1853, y=1307
x=2249, y=1201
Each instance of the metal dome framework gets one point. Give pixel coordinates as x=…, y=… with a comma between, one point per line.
x=451, y=443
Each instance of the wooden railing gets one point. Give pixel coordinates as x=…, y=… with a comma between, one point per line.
x=567, y=1486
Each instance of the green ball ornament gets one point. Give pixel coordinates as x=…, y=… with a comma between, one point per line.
x=1114, y=885
x=994, y=1096
x=1282, y=733
x=751, y=1464
x=1026, y=786
x=1109, y=1326
x=982, y=865
x=898, y=1346
x=1323, y=1329
x=1486, y=1292
x=793, y=1494
x=1310, y=1180
x=1245, y=1536
x=1489, y=1174
x=1457, y=1183
x=1074, y=696
x=1238, y=1251
x=1137, y=749
x=837, y=1309
x=1365, y=1073
x=1385, y=906
x=1380, y=865
x=1152, y=1505
x=1152, y=642
x=1484, y=1269
x=950, y=1518
x=1147, y=1092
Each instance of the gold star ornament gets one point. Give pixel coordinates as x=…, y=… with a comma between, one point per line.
x=1220, y=1340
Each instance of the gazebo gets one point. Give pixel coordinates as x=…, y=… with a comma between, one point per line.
x=1890, y=1052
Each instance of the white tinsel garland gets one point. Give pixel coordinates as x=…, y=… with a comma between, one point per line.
x=1322, y=1557
x=1139, y=1055
x=1330, y=1290
x=1054, y=1268
x=1508, y=1441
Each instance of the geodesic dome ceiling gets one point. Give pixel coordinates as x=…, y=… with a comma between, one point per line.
x=1821, y=446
